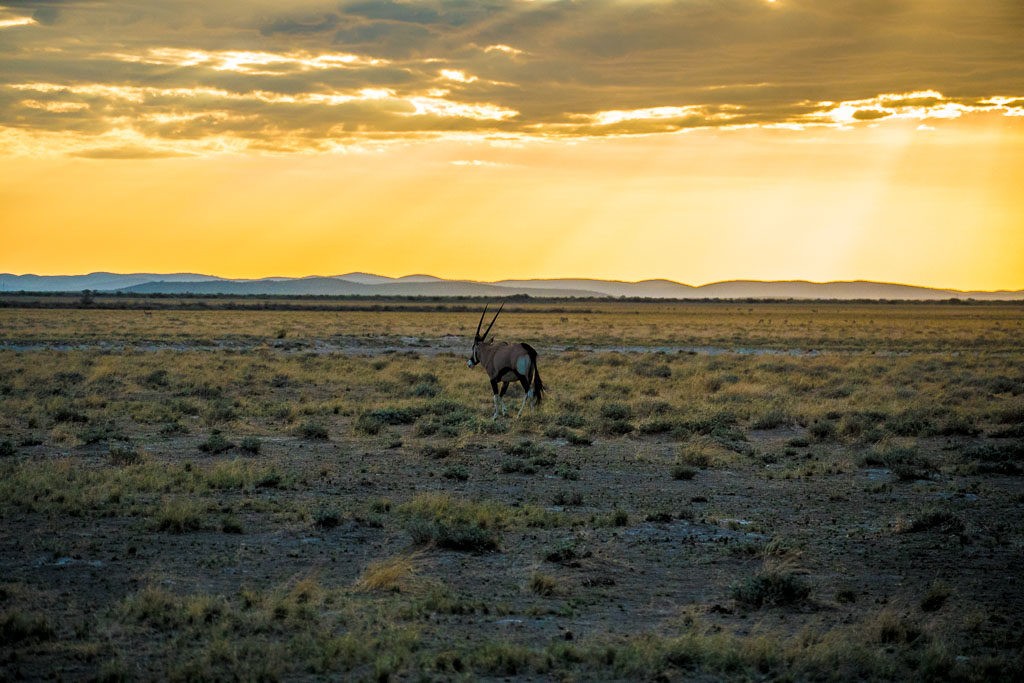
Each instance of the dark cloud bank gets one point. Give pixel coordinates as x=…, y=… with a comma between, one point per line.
x=327, y=72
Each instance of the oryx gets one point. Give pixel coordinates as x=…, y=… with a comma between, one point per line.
x=506, y=363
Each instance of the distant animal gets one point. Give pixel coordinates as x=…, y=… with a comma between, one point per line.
x=506, y=363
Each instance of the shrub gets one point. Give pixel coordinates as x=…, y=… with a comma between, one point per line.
x=936, y=596
x=173, y=429
x=396, y=416
x=661, y=516
x=250, y=445
x=771, y=587
x=906, y=463
x=773, y=419
x=656, y=426
x=565, y=498
x=425, y=427
x=958, y=424
x=617, y=427
x=893, y=630
x=69, y=415
x=513, y=465
x=523, y=448
x=574, y=420
x=101, y=433
x=456, y=472
x=269, y=480
x=435, y=452
x=123, y=455
x=327, y=518
x=464, y=536
x=1003, y=458
x=823, y=431
x=648, y=369
x=1013, y=432
x=542, y=584
x=206, y=391
x=16, y=628
x=616, y=411
x=683, y=472
x=220, y=411
x=154, y=606
x=370, y=424
x=936, y=520
x=556, y=432
x=577, y=439
x=7, y=448
x=912, y=422
x=451, y=523
x=313, y=431
x=425, y=390
x=564, y=553
x=179, y=516
x=216, y=443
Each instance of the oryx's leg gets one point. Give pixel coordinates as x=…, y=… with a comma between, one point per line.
x=501, y=396
x=497, y=399
x=527, y=394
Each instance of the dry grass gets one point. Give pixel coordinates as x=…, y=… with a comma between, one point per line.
x=102, y=460
x=397, y=573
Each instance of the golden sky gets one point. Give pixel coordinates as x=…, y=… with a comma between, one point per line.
x=694, y=140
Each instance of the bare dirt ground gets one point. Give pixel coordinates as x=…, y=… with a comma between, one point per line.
x=709, y=538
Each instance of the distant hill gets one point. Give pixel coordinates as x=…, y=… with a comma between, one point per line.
x=97, y=281
x=368, y=284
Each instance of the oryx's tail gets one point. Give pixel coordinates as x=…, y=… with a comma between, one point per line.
x=538, y=386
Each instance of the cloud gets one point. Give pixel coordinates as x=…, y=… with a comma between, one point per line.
x=128, y=152
x=294, y=26
x=246, y=74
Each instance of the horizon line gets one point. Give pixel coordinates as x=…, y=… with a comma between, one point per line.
x=528, y=279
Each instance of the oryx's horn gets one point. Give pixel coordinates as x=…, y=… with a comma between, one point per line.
x=477, y=336
x=492, y=320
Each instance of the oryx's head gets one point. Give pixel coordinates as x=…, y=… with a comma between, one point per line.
x=474, y=355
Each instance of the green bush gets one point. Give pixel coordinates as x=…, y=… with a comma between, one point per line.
x=327, y=518
x=574, y=420
x=773, y=419
x=313, y=431
x=123, y=455
x=616, y=412
x=456, y=472
x=577, y=439
x=683, y=472
x=771, y=588
x=656, y=370
x=453, y=535
x=657, y=426
x=216, y=443
x=823, y=431
x=250, y=445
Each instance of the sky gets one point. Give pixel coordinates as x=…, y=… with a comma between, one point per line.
x=694, y=140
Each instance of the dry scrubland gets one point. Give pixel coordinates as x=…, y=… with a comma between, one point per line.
x=217, y=494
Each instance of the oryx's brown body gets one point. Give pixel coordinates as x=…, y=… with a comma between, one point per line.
x=506, y=363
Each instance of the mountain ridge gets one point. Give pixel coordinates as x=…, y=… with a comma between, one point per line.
x=370, y=284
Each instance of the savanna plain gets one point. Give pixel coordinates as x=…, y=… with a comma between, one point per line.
x=731, y=490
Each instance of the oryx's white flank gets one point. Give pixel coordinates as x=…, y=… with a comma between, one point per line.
x=507, y=363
